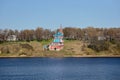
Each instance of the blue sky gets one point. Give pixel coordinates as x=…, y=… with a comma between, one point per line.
x=29, y=14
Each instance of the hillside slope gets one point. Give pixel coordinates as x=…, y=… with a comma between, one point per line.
x=72, y=48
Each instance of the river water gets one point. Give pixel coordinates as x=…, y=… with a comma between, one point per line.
x=59, y=68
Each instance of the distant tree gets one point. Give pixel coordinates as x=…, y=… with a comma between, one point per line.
x=32, y=35
x=5, y=34
x=11, y=32
x=39, y=33
x=27, y=35
x=92, y=32
x=70, y=33
x=1, y=36
x=46, y=34
x=17, y=34
x=79, y=34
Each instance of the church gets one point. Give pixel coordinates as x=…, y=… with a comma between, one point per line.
x=57, y=43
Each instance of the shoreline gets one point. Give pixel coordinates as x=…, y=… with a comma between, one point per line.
x=85, y=56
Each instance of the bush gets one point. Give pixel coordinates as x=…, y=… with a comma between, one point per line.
x=22, y=54
x=99, y=45
x=1, y=42
x=5, y=49
x=26, y=46
x=118, y=46
x=113, y=41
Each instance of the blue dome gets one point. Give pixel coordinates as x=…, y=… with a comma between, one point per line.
x=58, y=34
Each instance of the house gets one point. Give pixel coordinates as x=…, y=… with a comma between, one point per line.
x=101, y=38
x=12, y=38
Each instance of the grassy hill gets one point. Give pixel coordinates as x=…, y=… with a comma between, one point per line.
x=72, y=48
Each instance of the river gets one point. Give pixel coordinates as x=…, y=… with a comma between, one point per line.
x=59, y=68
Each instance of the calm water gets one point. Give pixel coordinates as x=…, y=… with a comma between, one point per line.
x=59, y=68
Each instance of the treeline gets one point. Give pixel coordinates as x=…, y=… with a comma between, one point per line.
x=26, y=35
x=87, y=34
x=92, y=33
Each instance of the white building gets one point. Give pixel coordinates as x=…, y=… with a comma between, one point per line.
x=101, y=38
x=12, y=38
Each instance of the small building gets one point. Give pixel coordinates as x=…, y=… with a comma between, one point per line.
x=101, y=38
x=12, y=38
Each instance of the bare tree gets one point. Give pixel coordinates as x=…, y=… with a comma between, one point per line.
x=46, y=34
x=39, y=33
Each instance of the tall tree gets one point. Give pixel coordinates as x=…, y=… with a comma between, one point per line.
x=39, y=33
x=46, y=34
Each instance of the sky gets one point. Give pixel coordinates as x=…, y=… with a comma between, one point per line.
x=49, y=14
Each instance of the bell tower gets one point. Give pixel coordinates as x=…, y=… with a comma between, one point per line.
x=61, y=30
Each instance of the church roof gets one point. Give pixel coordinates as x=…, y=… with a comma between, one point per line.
x=58, y=34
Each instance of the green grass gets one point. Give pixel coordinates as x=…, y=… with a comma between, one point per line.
x=46, y=42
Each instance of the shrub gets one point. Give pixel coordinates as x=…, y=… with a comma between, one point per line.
x=23, y=53
x=113, y=41
x=26, y=46
x=5, y=49
x=118, y=46
x=99, y=45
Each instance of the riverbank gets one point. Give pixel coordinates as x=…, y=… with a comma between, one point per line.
x=56, y=55
x=73, y=48
x=87, y=56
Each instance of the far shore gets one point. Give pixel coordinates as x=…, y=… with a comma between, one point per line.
x=81, y=56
